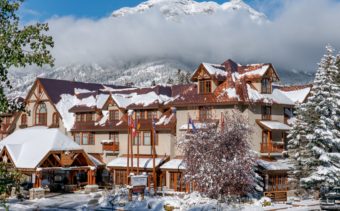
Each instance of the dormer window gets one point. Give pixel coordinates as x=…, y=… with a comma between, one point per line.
x=204, y=86
x=114, y=115
x=266, y=86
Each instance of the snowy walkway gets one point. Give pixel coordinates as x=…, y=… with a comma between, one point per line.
x=192, y=202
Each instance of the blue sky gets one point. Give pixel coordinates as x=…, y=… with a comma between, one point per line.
x=95, y=9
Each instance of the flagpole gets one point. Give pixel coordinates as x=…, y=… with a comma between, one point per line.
x=128, y=150
x=153, y=155
x=137, y=146
x=131, y=144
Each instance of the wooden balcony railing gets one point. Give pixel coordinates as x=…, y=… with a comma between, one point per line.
x=273, y=147
x=111, y=146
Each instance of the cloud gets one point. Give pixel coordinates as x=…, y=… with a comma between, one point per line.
x=294, y=39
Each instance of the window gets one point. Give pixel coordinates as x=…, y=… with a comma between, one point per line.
x=205, y=86
x=114, y=115
x=151, y=114
x=287, y=113
x=41, y=114
x=78, y=117
x=136, y=140
x=84, y=138
x=147, y=138
x=77, y=138
x=89, y=117
x=140, y=115
x=266, y=112
x=277, y=182
x=85, y=117
x=23, y=119
x=55, y=119
x=266, y=86
x=204, y=113
x=114, y=137
x=177, y=181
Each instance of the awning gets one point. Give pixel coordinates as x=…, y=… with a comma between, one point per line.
x=273, y=125
x=174, y=164
x=144, y=163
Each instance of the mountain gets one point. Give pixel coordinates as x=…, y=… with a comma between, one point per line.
x=137, y=73
x=174, y=9
x=143, y=73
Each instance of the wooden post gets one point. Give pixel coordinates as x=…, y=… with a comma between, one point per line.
x=175, y=181
x=131, y=144
x=138, y=153
x=269, y=143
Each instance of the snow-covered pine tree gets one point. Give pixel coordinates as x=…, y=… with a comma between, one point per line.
x=220, y=162
x=298, y=154
x=324, y=141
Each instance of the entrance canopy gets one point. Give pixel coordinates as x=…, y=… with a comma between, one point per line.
x=273, y=125
x=174, y=165
x=39, y=147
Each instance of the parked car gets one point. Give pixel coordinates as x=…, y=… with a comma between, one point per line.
x=331, y=199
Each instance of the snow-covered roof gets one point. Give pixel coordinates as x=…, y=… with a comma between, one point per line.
x=146, y=163
x=274, y=125
x=125, y=100
x=297, y=96
x=174, y=164
x=274, y=165
x=254, y=69
x=96, y=161
x=215, y=69
x=27, y=147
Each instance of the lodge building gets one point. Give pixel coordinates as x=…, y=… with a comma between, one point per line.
x=96, y=118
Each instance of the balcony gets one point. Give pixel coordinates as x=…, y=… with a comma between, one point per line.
x=110, y=146
x=272, y=147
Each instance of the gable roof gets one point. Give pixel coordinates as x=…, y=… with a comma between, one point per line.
x=55, y=88
x=28, y=147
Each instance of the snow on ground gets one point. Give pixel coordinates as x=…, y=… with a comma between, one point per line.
x=103, y=200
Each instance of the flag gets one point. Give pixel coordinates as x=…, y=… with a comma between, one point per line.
x=191, y=122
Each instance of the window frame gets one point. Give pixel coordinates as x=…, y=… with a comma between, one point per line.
x=264, y=114
x=40, y=117
x=147, y=132
x=266, y=85
x=114, y=115
x=205, y=86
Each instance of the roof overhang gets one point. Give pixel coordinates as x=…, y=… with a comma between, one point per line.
x=273, y=125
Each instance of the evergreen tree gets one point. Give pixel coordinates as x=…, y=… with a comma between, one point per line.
x=19, y=46
x=170, y=81
x=314, y=143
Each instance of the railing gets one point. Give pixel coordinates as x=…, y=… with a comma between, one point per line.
x=272, y=147
x=276, y=195
x=110, y=147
